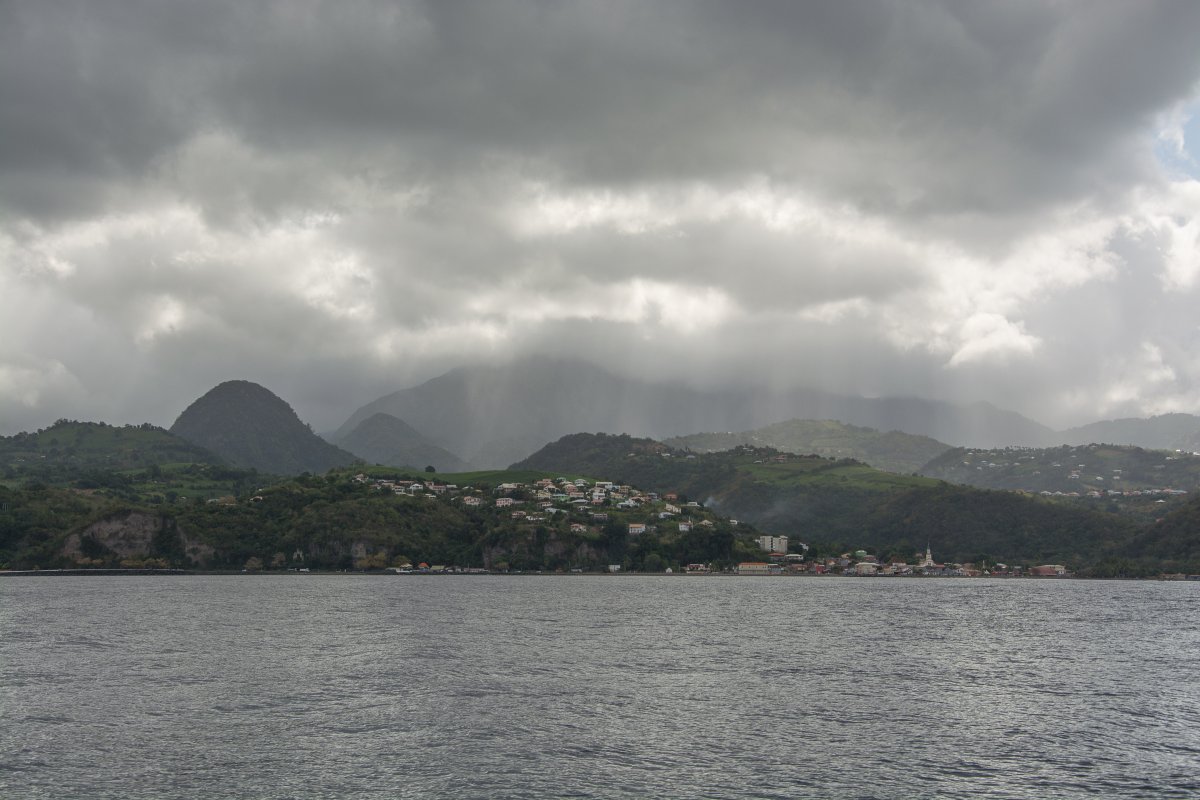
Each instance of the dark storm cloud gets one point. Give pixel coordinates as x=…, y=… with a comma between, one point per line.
x=918, y=193
x=925, y=106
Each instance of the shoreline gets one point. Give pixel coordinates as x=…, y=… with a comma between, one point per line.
x=111, y=572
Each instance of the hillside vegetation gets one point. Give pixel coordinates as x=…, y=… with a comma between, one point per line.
x=57, y=512
x=69, y=448
x=1115, y=470
x=352, y=520
x=839, y=504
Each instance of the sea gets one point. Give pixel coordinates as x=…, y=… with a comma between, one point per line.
x=613, y=686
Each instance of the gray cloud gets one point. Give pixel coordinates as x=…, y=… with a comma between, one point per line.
x=952, y=199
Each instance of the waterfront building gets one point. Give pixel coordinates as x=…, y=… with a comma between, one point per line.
x=773, y=544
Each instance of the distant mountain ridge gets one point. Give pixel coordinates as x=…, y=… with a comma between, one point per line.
x=249, y=426
x=384, y=439
x=1163, y=432
x=893, y=451
x=495, y=415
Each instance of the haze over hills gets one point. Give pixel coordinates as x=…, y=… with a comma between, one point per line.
x=1163, y=432
x=249, y=426
x=384, y=439
x=495, y=415
x=893, y=451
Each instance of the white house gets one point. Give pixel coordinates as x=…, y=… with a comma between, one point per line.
x=773, y=544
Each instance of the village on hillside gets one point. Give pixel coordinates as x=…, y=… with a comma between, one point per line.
x=589, y=505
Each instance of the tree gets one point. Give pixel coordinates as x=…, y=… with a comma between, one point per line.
x=431, y=468
x=253, y=564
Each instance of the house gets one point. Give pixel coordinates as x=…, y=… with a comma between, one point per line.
x=637, y=528
x=504, y=502
x=754, y=568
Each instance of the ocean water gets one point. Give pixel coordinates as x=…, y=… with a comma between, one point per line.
x=311, y=686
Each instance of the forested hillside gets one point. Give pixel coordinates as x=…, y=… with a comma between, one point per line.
x=369, y=520
x=839, y=504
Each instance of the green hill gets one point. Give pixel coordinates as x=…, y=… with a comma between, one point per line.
x=1174, y=539
x=1115, y=470
x=838, y=504
x=68, y=448
x=250, y=427
x=367, y=519
x=893, y=451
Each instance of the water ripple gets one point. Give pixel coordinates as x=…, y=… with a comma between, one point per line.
x=596, y=687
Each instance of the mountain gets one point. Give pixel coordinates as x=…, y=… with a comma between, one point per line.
x=892, y=451
x=384, y=439
x=251, y=427
x=839, y=503
x=1164, y=432
x=496, y=414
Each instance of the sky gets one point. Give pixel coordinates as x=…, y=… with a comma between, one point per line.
x=955, y=200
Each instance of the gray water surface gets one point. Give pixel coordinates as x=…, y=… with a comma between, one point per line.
x=307, y=686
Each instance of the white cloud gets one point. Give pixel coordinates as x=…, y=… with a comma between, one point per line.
x=921, y=197
x=991, y=337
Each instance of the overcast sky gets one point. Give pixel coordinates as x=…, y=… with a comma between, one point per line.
x=966, y=201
